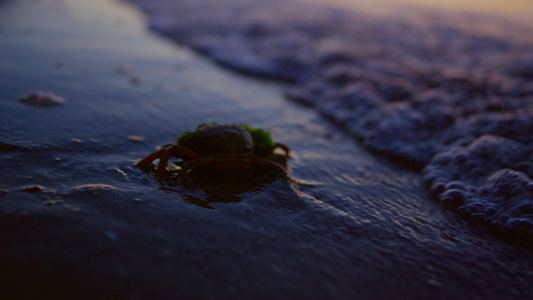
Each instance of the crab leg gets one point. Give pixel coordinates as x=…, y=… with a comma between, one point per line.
x=277, y=158
x=284, y=147
x=197, y=163
x=267, y=164
x=157, y=154
x=193, y=164
x=176, y=151
x=150, y=158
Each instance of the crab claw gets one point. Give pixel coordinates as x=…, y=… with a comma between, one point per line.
x=284, y=147
x=164, y=155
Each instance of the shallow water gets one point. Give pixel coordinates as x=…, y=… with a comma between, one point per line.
x=77, y=219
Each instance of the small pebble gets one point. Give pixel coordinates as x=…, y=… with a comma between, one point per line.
x=33, y=188
x=136, y=138
x=52, y=202
x=42, y=99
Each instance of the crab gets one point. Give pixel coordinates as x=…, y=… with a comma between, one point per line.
x=229, y=149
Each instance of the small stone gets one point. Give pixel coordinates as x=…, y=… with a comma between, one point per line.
x=33, y=188
x=136, y=138
x=49, y=203
x=42, y=99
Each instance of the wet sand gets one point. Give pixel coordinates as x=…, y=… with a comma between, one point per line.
x=78, y=220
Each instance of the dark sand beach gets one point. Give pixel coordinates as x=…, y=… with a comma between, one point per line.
x=78, y=220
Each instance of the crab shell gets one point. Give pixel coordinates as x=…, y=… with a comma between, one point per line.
x=214, y=138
